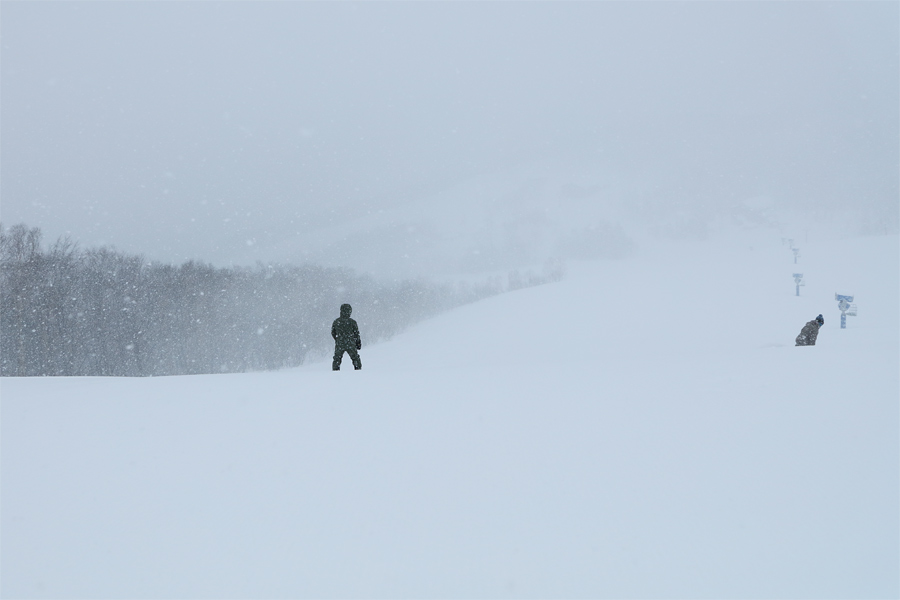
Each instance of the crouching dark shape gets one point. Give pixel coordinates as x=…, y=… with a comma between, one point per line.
x=810, y=332
x=345, y=332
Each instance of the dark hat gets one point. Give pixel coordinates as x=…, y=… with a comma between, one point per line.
x=820, y=320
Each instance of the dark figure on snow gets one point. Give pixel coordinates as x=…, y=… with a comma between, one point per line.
x=345, y=332
x=810, y=332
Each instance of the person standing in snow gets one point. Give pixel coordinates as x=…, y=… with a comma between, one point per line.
x=810, y=332
x=345, y=332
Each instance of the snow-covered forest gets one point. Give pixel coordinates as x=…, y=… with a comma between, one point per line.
x=71, y=311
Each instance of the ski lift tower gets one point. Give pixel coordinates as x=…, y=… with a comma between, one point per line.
x=846, y=308
x=796, y=254
x=798, y=279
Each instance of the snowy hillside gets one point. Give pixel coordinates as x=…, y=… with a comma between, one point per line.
x=511, y=219
x=644, y=428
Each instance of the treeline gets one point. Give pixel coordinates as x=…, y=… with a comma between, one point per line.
x=71, y=311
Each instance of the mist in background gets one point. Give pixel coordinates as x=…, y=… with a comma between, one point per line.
x=430, y=138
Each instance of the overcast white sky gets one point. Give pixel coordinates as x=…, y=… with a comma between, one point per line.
x=173, y=129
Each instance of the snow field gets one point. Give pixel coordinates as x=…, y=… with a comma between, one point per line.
x=644, y=428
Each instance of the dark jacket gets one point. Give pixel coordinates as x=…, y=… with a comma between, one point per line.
x=808, y=334
x=345, y=331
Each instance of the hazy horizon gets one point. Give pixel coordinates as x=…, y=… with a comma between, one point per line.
x=232, y=132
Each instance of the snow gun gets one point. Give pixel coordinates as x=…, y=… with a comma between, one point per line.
x=798, y=279
x=846, y=308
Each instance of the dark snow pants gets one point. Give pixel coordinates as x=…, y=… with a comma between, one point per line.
x=339, y=355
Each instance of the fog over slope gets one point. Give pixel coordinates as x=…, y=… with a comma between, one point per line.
x=405, y=138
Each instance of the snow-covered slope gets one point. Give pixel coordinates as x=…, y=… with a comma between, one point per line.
x=514, y=218
x=644, y=428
